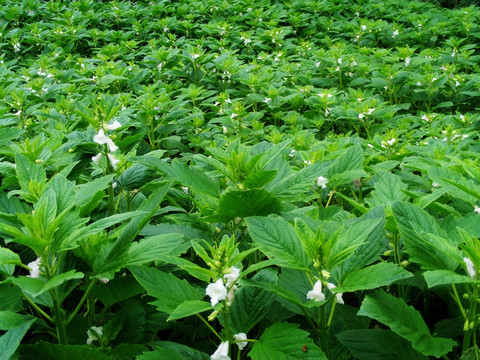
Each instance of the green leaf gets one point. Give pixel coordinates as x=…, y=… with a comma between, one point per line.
x=276, y=238
x=350, y=159
x=149, y=249
x=377, y=344
x=445, y=277
x=458, y=186
x=89, y=195
x=10, y=320
x=59, y=280
x=189, y=308
x=135, y=177
x=168, y=289
x=388, y=188
x=7, y=256
x=373, y=277
x=11, y=339
x=117, y=290
x=245, y=203
x=160, y=353
x=186, y=352
x=251, y=303
x=259, y=179
x=284, y=341
x=114, y=255
x=405, y=321
x=48, y=351
x=191, y=177
x=28, y=171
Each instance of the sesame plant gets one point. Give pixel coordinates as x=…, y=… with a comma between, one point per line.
x=194, y=180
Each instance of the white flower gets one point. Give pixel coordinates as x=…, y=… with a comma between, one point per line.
x=339, y=60
x=113, y=160
x=477, y=209
x=221, y=353
x=231, y=295
x=225, y=129
x=185, y=189
x=113, y=126
x=391, y=141
x=453, y=54
x=217, y=292
x=35, y=266
x=364, y=27
x=470, y=268
x=322, y=182
x=101, y=138
x=330, y=287
x=316, y=294
x=18, y=113
x=96, y=158
x=407, y=61
x=361, y=116
x=267, y=99
x=104, y=280
x=395, y=33
x=435, y=185
x=241, y=336
x=232, y=276
x=233, y=115
x=16, y=47
x=96, y=335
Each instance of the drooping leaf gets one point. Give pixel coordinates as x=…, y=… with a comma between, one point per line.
x=284, y=341
x=405, y=321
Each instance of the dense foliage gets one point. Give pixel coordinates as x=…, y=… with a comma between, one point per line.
x=239, y=180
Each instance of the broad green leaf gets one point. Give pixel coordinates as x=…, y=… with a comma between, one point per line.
x=349, y=163
x=59, y=280
x=457, y=185
x=276, y=238
x=351, y=238
x=10, y=320
x=135, y=177
x=445, y=277
x=160, y=353
x=189, y=308
x=89, y=195
x=378, y=344
x=388, y=188
x=284, y=341
x=168, y=289
x=151, y=248
x=64, y=192
x=186, y=352
x=191, y=177
x=250, y=304
x=48, y=351
x=7, y=256
x=284, y=293
x=245, y=203
x=405, y=321
x=117, y=290
x=28, y=171
x=114, y=255
x=259, y=179
x=372, y=277
x=405, y=214
x=10, y=297
x=11, y=339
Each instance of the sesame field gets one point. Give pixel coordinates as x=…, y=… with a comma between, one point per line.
x=239, y=180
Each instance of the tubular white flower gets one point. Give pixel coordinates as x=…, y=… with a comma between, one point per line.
x=96, y=158
x=113, y=126
x=101, y=139
x=241, y=336
x=35, y=266
x=316, y=294
x=330, y=287
x=322, y=182
x=221, y=353
x=113, y=160
x=470, y=268
x=217, y=292
x=477, y=209
x=231, y=295
x=96, y=335
x=232, y=276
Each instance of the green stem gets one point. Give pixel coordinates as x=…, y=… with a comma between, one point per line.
x=329, y=199
x=210, y=327
x=59, y=320
x=82, y=300
x=332, y=310
x=459, y=303
x=40, y=311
